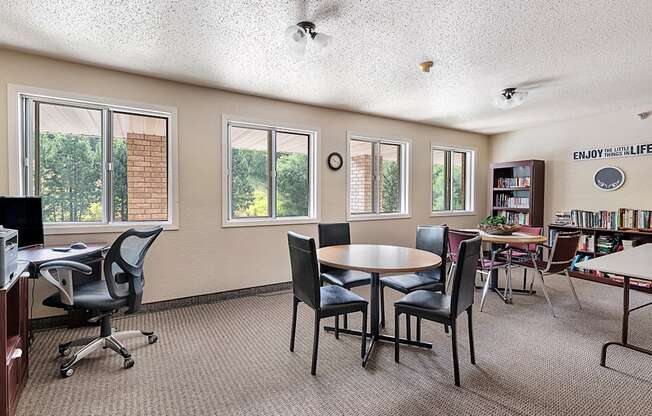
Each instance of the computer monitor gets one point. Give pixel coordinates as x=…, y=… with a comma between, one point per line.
x=24, y=214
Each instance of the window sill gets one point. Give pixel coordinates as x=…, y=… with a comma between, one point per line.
x=452, y=213
x=375, y=217
x=266, y=222
x=69, y=229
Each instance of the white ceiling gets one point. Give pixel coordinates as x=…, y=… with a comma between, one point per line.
x=577, y=57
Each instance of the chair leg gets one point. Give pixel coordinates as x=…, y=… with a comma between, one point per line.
x=315, y=345
x=337, y=327
x=363, y=347
x=295, y=304
x=524, y=277
x=408, y=328
x=418, y=328
x=545, y=293
x=382, y=305
x=396, y=334
x=485, y=289
x=570, y=282
x=346, y=321
x=450, y=273
x=469, y=313
x=456, y=364
x=446, y=329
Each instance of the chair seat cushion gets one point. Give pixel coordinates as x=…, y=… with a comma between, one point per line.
x=413, y=281
x=485, y=264
x=426, y=304
x=335, y=298
x=346, y=278
x=92, y=296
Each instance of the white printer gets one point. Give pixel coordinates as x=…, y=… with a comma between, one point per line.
x=8, y=254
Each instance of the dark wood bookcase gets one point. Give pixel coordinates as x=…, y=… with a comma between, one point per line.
x=529, y=182
x=640, y=237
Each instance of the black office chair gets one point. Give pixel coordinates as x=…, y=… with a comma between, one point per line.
x=443, y=308
x=429, y=238
x=122, y=288
x=337, y=234
x=326, y=301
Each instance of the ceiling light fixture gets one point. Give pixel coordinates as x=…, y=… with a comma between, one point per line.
x=297, y=36
x=510, y=98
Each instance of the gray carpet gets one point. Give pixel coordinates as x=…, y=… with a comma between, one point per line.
x=232, y=358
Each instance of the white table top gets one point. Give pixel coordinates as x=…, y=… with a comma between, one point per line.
x=634, y=262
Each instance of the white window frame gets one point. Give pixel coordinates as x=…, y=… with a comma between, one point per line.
x=469, y=196
x=17, y=166
x=313, y=216
x=406, y=173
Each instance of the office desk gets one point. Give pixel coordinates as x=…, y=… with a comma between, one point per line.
x=14, y=344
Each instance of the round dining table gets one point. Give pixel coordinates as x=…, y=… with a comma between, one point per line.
x=376, y=259
x=498, y=242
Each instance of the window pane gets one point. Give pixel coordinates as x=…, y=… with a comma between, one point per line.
x=361, y=177
x=292, y=175
x=390, y=178
x=68, y=175
x=458, y=193
x=438, y=180
x=250, y=183
x=140, y=168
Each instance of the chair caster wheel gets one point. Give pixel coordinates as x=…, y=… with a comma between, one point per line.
x=67, y=372
x=129, y=362
x=64, y=352
x=152, y=339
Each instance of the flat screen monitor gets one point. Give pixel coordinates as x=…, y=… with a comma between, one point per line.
x=25, y=215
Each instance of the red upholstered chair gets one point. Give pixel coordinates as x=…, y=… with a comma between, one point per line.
x=522, y=253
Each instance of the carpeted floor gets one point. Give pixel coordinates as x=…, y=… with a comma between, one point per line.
x=232, y=358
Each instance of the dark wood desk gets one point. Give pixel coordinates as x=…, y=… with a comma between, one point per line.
x=14, y=344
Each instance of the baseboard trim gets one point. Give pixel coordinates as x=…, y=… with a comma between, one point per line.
x=62, y=320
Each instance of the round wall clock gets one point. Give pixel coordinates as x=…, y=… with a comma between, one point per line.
x=609, y=178
x=335, y=161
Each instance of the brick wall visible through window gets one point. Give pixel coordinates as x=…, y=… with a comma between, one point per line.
x=147, y=177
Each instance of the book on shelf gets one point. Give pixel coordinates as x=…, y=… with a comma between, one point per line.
x=521, y=218
x=506, y=201
x=586, y=243
x=517, y=182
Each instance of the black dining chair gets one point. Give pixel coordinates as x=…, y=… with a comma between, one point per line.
x=442, y=308
x=337, y=234
x=429, y=238
x=326, y=301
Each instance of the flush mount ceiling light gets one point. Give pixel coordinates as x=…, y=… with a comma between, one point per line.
x=297, y=36
x=510, y=98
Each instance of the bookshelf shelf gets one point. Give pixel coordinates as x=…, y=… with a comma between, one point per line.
x=628, y=234
x=519, y=183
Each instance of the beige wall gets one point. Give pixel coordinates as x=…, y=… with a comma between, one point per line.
x=569, y=184
x=202, y=257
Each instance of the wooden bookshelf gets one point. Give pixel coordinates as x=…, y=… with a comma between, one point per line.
x=627, y=234
x=530, y=171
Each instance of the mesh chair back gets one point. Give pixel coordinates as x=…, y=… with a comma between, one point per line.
x=333, y=234
x=529, y=230
x=433, y=238
x=123, y=265
x=455, y=238
x=305, y=270
x=563, y=252
x=464, y=278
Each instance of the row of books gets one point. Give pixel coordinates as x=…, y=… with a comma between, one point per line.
x=504, y=200
x=518, y=182
x=610, y=220
x=586, y=243
x=522, y=218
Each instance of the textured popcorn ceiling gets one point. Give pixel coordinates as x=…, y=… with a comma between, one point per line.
x=578, y=57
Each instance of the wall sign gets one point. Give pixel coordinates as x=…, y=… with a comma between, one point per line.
x=609, y=178
x=627, y=150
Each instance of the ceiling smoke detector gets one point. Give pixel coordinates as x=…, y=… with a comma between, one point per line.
x=425, y=66
x=510, y=98
x=297, y=37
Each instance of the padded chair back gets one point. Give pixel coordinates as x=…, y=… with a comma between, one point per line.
x=529, y=230
x=333, y=234
x=464, y=278
x=123, y=265
x=455, y=238
x=305, y=270
x=433, y=238
x=563, y=252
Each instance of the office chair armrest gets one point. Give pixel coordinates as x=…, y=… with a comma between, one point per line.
x=66, y=265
